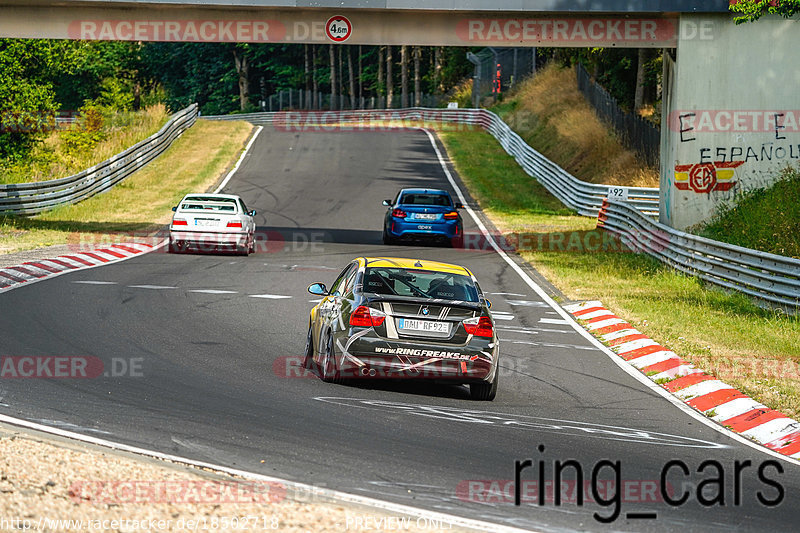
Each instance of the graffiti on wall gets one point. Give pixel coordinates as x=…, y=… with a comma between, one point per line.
x=706, y=177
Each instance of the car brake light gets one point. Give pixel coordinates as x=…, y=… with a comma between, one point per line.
x=479, y=326
x=234, y=224
x=399, y=213
x=179, y=222
x=365, y=317
x=452, y=215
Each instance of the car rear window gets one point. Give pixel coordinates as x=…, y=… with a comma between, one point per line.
x=199, y=203
x=426, y=199
x=420, y=284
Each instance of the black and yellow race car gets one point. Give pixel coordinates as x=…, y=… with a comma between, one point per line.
x=393, y=318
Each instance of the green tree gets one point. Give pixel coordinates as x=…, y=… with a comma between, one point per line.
x=752, y=10
x=28, y=70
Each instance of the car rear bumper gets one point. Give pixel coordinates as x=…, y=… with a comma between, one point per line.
x=209, y=238
x=422, y=230
x=378, y=358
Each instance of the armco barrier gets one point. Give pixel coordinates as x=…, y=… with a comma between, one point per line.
x=583, y=197
x=771, y=278
x=36, y=197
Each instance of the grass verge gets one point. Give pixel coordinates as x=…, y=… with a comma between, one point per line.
x=141, y=203
x=61, y=153
x=763, y=219
x=551, y=114
x=725, y=334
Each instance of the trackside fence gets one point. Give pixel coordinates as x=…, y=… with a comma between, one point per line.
x=585, y=198
x=36, y=197
x=771, y=279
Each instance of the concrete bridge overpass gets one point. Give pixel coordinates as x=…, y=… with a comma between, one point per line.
x=731, y=111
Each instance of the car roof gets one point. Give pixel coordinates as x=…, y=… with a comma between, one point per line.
x=425, y=191
x=413, y=264
x=213, y=195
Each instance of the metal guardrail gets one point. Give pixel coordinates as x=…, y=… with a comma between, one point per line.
x=36, y=197
x=585, y=198
x=770, y=278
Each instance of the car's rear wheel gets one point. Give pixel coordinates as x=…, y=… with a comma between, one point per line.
x=177, y=247
x=329, y=372
x=484, y=391
x=387, y=239
x=308, y=356
x=252, y=246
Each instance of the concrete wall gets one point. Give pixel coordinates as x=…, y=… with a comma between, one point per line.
x=731, y=113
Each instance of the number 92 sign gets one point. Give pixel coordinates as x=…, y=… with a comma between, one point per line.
x=338, y=29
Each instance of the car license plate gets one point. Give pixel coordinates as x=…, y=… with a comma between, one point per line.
x=427, y=326
x=204, y=222
x=426, y=216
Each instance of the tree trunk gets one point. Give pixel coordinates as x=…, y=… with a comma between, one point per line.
x=379, y=82
x=417, y=57
x=352, y=77
x=314, y=81
x=404, y=76
x=306, y=76
x=389, y=83
x=332, y=54
x=360, y=77
x=243, y=71
x=638, y=96
x=437, y=70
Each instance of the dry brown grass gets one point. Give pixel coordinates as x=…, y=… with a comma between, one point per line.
x=551, y=114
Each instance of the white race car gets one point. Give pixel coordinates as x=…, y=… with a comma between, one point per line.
x=210, y=222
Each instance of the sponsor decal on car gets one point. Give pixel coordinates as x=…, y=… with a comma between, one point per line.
x=418, y=352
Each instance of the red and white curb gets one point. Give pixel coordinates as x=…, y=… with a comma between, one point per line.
x=33, y=271
x=717, y=400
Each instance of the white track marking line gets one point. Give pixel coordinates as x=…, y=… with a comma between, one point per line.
x=299, y=487
x=93, y=282
x=617, y=360
x=552, y=321
x=595, y=314
x=772, y=430
x=151, y=287
x=608, y=337
x=733, y=408
x=269, y=296
x=239, y=161
x=211, y=291
x=701, y=389
x=526, y=303
x=653, y=358
x=603, y=323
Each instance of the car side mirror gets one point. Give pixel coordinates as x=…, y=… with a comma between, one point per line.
x=175, y=208
x=488, y=303
x=459, y=205
x=252, y=213
x=387, y=203
x=319, y=289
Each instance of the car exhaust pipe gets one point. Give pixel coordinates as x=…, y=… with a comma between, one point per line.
x=373, y=372
x=364, y=371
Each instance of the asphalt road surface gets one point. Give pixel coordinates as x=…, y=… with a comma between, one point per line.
x=206, y=348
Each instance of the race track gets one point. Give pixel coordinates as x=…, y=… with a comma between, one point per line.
x=218, y=338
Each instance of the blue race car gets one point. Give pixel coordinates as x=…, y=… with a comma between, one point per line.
x=423, y=214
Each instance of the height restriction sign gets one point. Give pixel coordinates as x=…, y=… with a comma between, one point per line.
x=338, y=28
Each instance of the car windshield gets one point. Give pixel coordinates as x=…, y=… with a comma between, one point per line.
x=420, y=283
x=426, y=199
x=199, y=203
